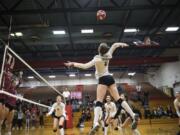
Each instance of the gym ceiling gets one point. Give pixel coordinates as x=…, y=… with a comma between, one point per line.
x=33, y=23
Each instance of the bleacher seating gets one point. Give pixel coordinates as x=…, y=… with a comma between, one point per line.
x=156, y=98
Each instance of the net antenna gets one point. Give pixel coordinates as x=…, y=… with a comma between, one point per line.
x=9, y=34
x=5, y=50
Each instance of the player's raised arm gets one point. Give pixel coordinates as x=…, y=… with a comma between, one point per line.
x=80, y=65
x=117, y=45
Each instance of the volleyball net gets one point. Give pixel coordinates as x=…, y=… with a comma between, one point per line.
x=30, y=86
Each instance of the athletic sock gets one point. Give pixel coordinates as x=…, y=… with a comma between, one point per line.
x=126, y=107
x=8, y=133
x=102, y=123
x=62, y=131
x=97, y=114
x=105, y=130
x=1, y=122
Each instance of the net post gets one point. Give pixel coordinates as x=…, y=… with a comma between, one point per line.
x=3, y=63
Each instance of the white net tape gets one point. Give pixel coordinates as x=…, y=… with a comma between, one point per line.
x=23, y=99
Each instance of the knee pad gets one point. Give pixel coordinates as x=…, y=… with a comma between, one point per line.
x=119, y=101
x=1, y=122
x=106, y=125
x=54, y=130
x=99, y=104
x=60, y=126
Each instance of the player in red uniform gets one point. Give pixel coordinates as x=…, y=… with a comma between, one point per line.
x=9, y=83
x=6, y=82
x=11, y=101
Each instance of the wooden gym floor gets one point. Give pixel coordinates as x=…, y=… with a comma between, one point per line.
x=156, y=129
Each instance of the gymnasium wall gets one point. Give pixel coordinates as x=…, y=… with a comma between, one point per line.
x=66, y=80
x=166, y=75
x=44, y=92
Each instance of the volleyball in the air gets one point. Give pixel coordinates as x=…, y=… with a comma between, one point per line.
x=101, y=15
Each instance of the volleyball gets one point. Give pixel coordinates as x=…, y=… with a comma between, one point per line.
x=101, y=15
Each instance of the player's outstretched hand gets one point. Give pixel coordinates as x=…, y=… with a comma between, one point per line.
x=69, y=64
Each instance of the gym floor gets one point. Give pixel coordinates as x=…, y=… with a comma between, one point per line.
x=156, y=129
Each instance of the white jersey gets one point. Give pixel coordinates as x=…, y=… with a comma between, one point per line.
x=66, y=94
x=58, y=109
x=101, y=62
x=177, y=106
x=110, y=109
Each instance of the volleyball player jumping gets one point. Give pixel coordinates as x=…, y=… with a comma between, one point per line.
x=105, y=82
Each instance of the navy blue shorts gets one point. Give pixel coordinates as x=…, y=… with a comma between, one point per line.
x=2, y=101
x=54, y=116
x=107, y=80
x=10, y=107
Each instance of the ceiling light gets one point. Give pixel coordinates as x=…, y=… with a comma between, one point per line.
x=72, y=75
x=59, y=32
x=87, y=31
x=130, y=30
x=18, y=34
x=87, y=75
x=52, y=76
x=12, y=34
x=132, y=74
x=172, y=29
x=30, y=77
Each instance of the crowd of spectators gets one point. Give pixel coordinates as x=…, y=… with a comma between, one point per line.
x=31, y=116
x=85, y=116
x=159, y=112
x=28, y=116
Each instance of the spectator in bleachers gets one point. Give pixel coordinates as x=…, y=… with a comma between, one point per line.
x=138, y=89
x=154, y=113
x=147, y=113
x=82, y=119
x=146, y=98
x=15, y=119
x=85, y=116
x=33, y=119
x=88, y=114
x=28, y=118
x=20, y=119
x=169, y=111
x=160, y=111
x=41, y=117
